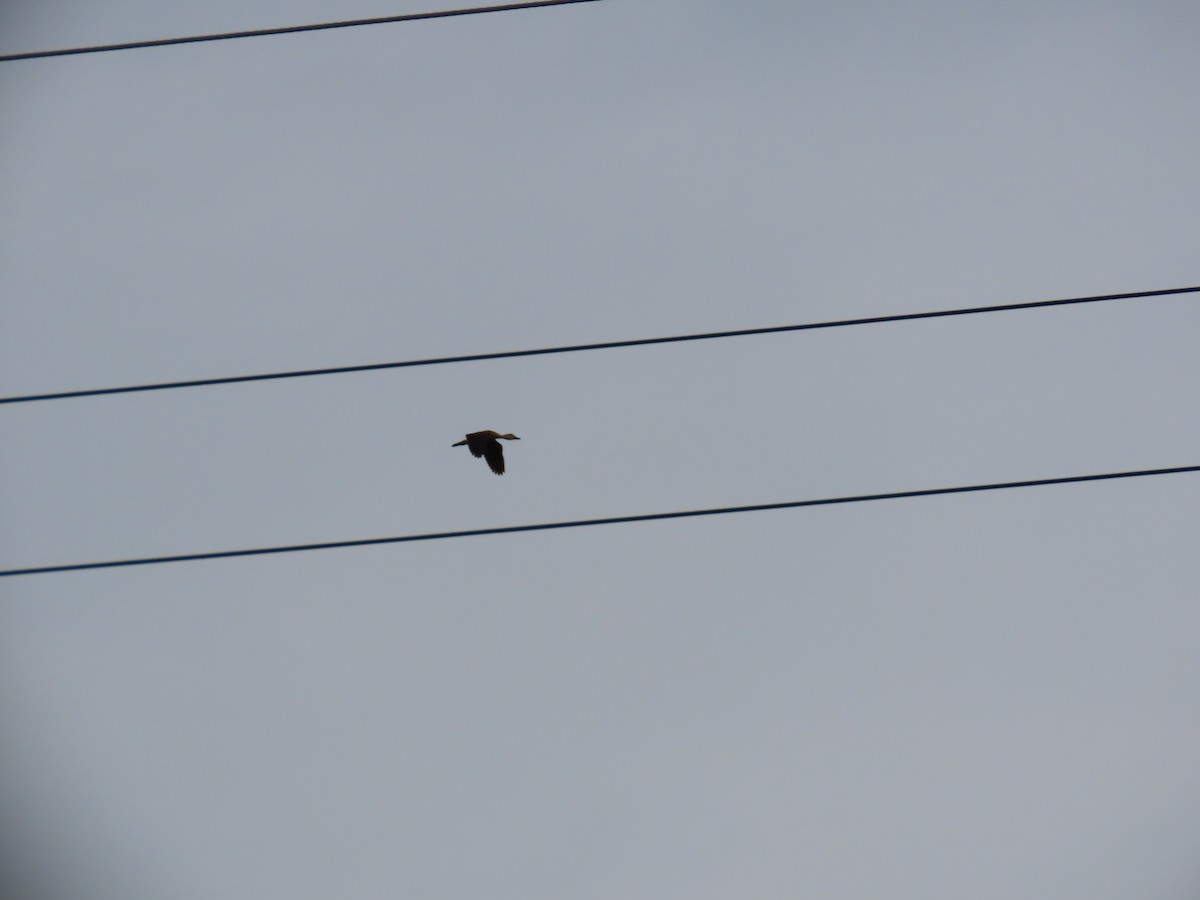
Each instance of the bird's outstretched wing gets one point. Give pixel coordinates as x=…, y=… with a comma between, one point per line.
x=495, y=456
x=476, y=443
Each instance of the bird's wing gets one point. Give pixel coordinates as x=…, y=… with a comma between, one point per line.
x=476, y=445
x=495, y=456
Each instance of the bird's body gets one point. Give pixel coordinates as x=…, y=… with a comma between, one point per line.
x=487, y=445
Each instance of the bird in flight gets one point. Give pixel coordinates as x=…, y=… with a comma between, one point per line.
x=487, y=445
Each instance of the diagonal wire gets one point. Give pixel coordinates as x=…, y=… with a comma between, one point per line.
x=288, y=29
x=581, y=523
x=606, y=345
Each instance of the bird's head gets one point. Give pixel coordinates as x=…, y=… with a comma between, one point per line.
x=508, y=437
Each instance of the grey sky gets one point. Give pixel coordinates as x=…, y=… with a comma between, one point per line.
x=985, y=696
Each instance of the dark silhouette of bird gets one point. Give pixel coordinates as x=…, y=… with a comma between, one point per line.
x=487, y=445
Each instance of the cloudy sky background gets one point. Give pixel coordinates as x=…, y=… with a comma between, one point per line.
x=990, y=695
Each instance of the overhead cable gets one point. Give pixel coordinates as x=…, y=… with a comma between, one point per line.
x=580, y=523
x=605, y=345
x=287, y=29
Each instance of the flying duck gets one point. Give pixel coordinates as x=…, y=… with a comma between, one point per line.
x=487, y=445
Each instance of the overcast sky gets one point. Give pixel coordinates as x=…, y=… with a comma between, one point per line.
x=987, y=695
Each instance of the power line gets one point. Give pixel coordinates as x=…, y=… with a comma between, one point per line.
x=580, y=523
x=606, y=345
x=289, y=29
